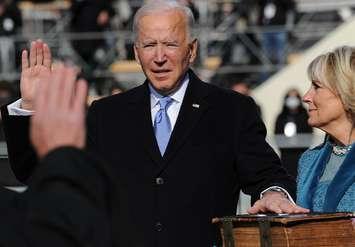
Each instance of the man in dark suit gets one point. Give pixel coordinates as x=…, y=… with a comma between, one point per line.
x=176, y=166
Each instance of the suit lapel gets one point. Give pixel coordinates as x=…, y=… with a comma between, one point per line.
x=141, y=103
x=192, y=108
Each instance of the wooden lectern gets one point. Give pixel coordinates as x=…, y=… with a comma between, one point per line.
x=284, y=230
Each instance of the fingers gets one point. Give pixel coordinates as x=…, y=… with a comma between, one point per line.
x=258, y=207
x=300, y=210
x=40, y=100
x=285, y=206
x=81, y=91
x=33, y=58
x=64, y=90
x=24, y=60
x=276, y=204
x=40, y=54
x=57, y=85
x=60, y=91
x=47, y=56
x=67, y=86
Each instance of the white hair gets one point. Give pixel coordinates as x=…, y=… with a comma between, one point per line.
x=156, y=6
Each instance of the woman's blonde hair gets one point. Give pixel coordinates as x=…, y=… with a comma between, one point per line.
x=336, y=71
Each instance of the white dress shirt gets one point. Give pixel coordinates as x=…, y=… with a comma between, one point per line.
x=15, y=109
x=174, y=108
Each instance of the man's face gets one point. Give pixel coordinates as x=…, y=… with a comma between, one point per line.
x=163, y=49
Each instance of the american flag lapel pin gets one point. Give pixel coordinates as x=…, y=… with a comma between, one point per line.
x=196, y=105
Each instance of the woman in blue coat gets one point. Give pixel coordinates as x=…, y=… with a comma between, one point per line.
x=326, y=173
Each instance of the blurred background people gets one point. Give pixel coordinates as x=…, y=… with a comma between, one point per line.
x=90, y=16
x=10, y=24
x=326, y=178
x=233, y=20
x=290, y=123
x=274, y=16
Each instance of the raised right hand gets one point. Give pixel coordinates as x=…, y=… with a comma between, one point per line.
x=35, y=68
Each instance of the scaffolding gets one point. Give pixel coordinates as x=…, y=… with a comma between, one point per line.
x=50, y=22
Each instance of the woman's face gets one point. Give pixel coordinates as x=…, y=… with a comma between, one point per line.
x=325, y=109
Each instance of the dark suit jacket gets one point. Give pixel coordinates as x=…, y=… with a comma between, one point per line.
x=68, y=203
x=12, y=215
x=217, y=146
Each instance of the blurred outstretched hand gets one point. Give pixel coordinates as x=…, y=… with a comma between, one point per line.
x=59, y=105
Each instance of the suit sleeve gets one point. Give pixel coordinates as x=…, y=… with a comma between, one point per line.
x=21, y=154
x=258, y=167
x=68, y=201
x=12, y=214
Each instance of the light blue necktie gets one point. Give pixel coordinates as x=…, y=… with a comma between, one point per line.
x=162, y=126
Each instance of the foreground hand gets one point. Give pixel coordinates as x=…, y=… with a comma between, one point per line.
x=59, y=105
x=276, y=202
x=35, y=68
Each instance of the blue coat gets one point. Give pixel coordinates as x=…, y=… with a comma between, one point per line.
x=340, y=195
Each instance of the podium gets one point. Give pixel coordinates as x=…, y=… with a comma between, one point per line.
x=283, y=230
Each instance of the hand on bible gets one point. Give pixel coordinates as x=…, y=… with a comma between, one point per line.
x=59, y=105
x=35, y=68
x=276, y=202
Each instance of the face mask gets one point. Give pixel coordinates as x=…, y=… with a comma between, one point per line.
x=292, y=102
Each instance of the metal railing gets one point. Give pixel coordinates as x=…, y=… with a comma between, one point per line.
x=304, y=33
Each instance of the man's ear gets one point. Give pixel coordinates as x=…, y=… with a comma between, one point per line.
x=193, y=51
x=136, y=57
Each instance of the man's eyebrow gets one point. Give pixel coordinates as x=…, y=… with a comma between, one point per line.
x=148, y=41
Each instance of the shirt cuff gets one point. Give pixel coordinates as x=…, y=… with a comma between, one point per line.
x=280, y=189
x=15, y=109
